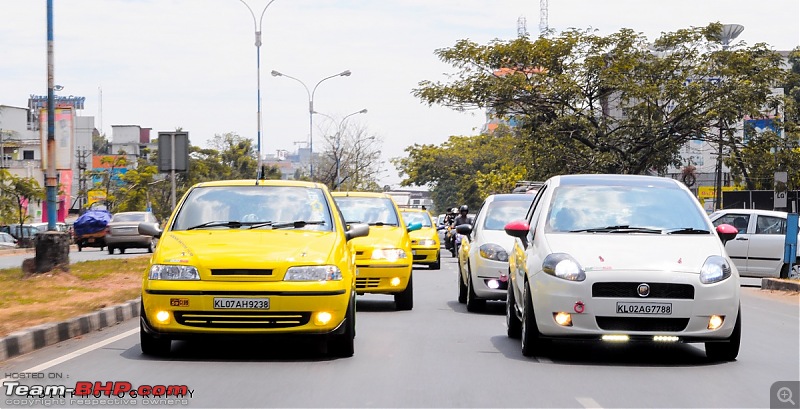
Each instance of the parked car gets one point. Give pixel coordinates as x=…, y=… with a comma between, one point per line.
x=483, y=255
x=24, y=234
x=122, y=232
x=621, y=258
x=247, y=258
x=384, y=259
x=758, y=249
x=7, y=241
x=425, y=247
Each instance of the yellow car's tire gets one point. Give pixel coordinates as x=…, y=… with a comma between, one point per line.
x=404, y=301
x=151, y=345
x=343, y=345
x=513, y=324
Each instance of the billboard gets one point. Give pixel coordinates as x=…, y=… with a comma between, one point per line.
x=64, y=135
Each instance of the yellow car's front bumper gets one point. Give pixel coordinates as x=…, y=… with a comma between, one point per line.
x=425, y=255
x=173, y=309
x=382, y=278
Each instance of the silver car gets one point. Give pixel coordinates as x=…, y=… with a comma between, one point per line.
x=758, y=249
x=122, y=232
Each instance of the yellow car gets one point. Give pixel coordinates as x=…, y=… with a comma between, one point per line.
x=425, y=241
x=383, y=258
x=251, y=258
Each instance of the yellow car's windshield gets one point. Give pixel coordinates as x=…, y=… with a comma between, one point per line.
x=248, y=207
x=371, y=210
x=417, y=217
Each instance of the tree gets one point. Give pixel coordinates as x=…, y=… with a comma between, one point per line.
x=357, y=153
x=465, y=169
x=15, y=192
x=616, y=104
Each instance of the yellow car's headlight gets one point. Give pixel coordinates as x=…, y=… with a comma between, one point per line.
x=427, y=242
x=173, y=272
x=388, y=254
x=313, y=273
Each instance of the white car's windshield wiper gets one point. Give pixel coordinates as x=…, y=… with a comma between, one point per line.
x=688, y=230
x=233, y=224
x=297, y=224
x=618, y=229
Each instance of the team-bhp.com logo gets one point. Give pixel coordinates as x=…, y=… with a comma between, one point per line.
x=117, y=391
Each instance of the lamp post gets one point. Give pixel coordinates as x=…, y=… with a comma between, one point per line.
x=729, y=32
x=311, y=93
x=257, y=28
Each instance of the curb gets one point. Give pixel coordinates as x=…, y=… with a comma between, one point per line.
x=777, y=284
x=40, y=336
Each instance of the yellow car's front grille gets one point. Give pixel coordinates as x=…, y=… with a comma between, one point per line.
x=368, y=282
x=242, y=319
x=240, y=272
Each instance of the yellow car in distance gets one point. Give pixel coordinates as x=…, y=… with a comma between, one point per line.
x=248, y=257
x=384, y=258
x=425, y=241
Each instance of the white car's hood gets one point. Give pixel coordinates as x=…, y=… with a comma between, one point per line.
x=498, y=237
x=641, y=252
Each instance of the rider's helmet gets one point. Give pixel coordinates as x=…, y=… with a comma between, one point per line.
x=464, y=209
x=454, y=210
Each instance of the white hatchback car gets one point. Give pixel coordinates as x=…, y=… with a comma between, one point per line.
x=483, y=255
x=758, y=248
x=622, y=258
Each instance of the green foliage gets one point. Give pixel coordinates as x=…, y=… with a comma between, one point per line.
x=13, y=190
x=586, y=103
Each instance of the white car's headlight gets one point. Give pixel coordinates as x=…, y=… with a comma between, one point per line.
x=313, y=273
x=388, y=254
x=715, y=269
x=173, y=272
x=562, y=265
x=493, y=251
x=427, y=242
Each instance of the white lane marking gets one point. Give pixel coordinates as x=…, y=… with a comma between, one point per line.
x=71, y=355
x=589, y=403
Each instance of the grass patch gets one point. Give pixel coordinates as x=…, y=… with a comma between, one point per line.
x=35, y=299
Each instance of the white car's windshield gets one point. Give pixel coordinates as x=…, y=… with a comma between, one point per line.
x=254, y=207
x=577, y=208
x=500, y=212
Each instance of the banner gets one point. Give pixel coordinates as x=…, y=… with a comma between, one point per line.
x=64, y=135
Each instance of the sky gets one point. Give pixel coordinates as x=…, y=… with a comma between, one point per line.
x=164, y=64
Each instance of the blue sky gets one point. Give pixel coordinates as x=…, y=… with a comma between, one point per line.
x=192, y=63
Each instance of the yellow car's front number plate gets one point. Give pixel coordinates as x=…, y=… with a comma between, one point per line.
x=241, y=303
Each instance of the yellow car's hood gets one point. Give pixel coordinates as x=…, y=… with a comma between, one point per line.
x=384, y=237
x=265, y=249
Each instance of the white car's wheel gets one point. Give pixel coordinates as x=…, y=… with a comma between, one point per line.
x=531, y=337
x=727, y=350
x=513, y=324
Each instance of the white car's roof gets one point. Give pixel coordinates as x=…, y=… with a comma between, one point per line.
x=773, y=213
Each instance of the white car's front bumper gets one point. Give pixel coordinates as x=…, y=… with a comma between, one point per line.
x=593, y=305
x=484, y=271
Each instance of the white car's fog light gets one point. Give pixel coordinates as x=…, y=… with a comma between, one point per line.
x=322, y=318
x=394, y=282
x=162, y=317
x=715, y=321
x=493, y=284
x=616, y=338
x=563, y=318
x=665, y=338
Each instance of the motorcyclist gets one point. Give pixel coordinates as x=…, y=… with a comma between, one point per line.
x=449, y=228
x=462, y=218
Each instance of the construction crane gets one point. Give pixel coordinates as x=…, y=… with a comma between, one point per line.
x=543, y=26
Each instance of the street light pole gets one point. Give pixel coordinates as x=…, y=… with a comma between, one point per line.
x=257, y=28
x=729, y=32
x=311, y=93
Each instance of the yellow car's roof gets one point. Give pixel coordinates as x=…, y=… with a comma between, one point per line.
x=360, y=194
x=252, y=182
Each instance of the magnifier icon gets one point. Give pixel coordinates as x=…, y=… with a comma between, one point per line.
x=784, y=395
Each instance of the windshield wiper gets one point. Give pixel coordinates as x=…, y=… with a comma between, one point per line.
x=382, y=224
x=618, y=229
x=688, y=230
x=255, y=225
x=233, y=224
x=296, y=224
